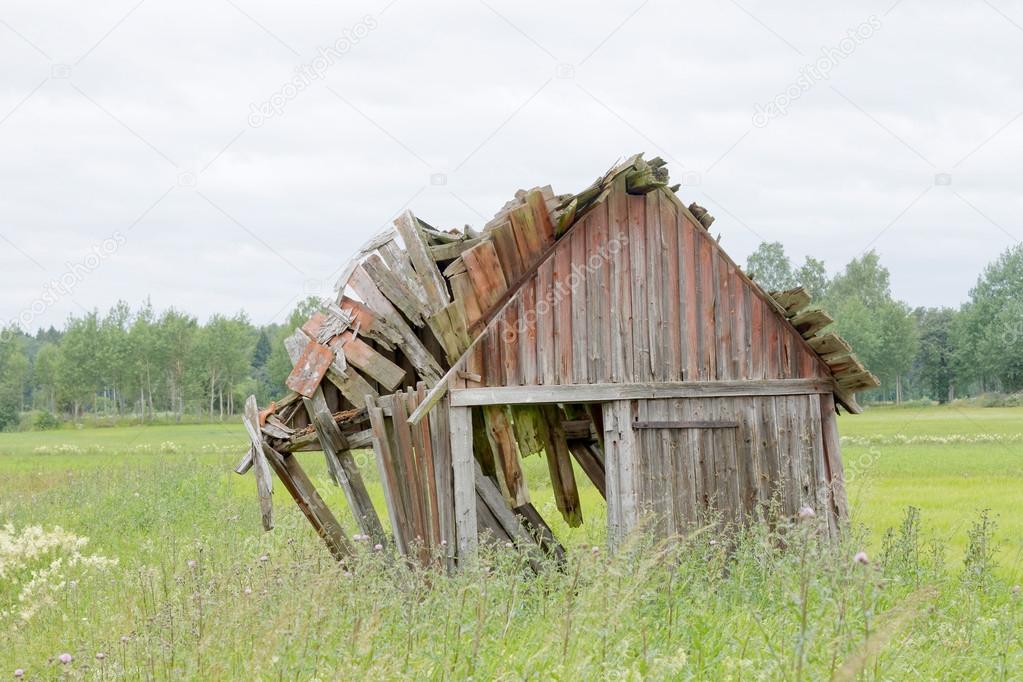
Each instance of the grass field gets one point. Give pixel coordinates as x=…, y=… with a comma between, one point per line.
x=198, y=591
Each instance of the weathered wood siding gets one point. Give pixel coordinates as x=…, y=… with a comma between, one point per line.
x=640, y=292
x=747, y=454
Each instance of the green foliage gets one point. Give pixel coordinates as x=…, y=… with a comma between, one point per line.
x=14, y=377
x=770, y=267
x=44, y=420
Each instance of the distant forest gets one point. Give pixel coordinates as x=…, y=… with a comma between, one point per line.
x=141, y=365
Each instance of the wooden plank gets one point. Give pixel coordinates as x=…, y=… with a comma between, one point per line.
x=506, y=451
x=688, y=297
x=809, y=322
x=682, y=424
x=260, y=466
x=510, y=395
x=671, y=299
x=708, y=326
x=413, y=478
x=559, y=464
x=598, y=296
x=590, y=465
x=415, y=245
x=580, y=308
x=362, y=356
x=297, y=483
x=441, y=443
x=395, y=290
x=621, y=360
x=546, y=348
x=369, y=323
x=641, y=342
x=526, y=315
x=336, y=448
x=792, y=300
x=452, y=250
x=464, y=480
x=411, y=346
x=465, y=298
x=485, y=273
x=397, y=260
x=563, y=312
x=310, y=367
x=653, y=270
x=527, y=236
x=507, y=251
x=541, y=532
x=508, y=330
x=541, y=217
x=388, y=476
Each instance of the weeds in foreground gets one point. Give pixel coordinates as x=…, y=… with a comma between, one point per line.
x=782, y=602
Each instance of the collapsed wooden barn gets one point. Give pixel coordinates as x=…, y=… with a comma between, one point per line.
x=606, y=327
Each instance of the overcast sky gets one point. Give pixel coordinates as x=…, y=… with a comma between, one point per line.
x=165, y=149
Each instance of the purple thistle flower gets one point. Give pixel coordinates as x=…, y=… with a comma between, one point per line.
x=806, y=513
x=65, y=658
x=861, y=558
x=191, y=563
x=100, y=655
x=378, y=547
x=19, y=673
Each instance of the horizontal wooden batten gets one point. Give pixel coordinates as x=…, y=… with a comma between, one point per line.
x=685, y=425
x=598, y=393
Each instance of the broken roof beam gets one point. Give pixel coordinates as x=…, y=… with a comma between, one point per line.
x=792, y=300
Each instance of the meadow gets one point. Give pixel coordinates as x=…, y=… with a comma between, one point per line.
x=137, y=552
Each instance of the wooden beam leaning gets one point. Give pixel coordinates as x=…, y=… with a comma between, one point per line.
x=463, y=466
x=388, y=478
x=261, y=468
x=295, y=480
x=336, y=448
x=598, y=393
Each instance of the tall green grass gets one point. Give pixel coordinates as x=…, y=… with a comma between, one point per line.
x=199, y=591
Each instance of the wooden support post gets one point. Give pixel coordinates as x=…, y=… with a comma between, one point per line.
x=388, y=478
x=619, y=465
x=464, y=471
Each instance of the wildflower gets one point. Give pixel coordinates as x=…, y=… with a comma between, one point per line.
x=1015, y=589
x=264, y=558
x=19, y=673
x=100, y=655
x=191, y=563
x=377, y=547
x=595, y=550
x=443, y=543
x=248, y=590
x=66, y=658
x=125, y=639
x=861, y=558
x=806, y=513
x=509, y=545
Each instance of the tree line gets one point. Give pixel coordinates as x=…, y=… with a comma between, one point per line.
x=935, y=353
x=144, y=365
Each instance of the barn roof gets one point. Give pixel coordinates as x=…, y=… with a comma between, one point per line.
x=414, y=276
